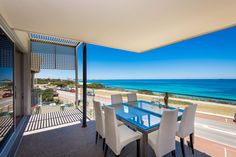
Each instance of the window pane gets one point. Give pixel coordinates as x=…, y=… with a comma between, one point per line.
x=6, y=87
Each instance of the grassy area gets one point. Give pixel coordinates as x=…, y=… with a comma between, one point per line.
x=222, y=110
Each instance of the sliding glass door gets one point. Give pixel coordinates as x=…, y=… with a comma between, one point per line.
x=6, y=88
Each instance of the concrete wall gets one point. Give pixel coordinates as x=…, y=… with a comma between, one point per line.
x=22, y=82
x=18, y=80
x=27, y=83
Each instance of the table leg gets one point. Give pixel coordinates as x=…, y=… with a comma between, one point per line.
x=145, y=145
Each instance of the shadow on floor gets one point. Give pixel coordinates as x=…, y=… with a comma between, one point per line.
x=47, y=120
x=75, y=141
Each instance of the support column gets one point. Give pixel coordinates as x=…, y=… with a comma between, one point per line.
x=76, y=77
x=27, y=83
x=84, y=85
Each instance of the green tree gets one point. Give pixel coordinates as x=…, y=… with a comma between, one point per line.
x=47, y=95
x=96, y=85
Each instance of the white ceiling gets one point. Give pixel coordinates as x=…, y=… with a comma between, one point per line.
x=134, y=25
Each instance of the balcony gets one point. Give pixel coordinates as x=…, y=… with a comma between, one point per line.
x=74, y=140
x=48, y=34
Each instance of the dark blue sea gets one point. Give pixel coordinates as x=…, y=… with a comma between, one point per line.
x=213, y=88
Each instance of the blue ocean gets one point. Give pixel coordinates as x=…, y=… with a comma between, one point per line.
x=212, y=88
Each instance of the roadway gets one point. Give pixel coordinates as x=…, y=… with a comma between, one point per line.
x=6, y=101
x=220, y=132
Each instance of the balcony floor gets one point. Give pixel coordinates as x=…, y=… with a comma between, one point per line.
x=52, y=119
x=74, y=141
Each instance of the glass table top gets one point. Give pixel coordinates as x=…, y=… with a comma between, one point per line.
x=142, y=114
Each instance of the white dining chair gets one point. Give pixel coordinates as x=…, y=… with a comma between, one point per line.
x=118, y=137
x=162, y=141
x=132, y=97
x=186, y=126
x=100, y=122
x=116, y=99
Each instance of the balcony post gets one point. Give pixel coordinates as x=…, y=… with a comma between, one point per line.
x=84, y=85
x=76, y=76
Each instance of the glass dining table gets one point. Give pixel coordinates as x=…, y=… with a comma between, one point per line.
x=143, y=116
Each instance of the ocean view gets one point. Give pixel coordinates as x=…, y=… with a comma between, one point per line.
x=215, y=88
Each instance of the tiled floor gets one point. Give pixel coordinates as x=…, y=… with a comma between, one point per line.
x=75, y=141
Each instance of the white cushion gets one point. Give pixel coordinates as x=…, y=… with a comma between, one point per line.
x=116, y=99
x=117, y=137
x=163, y=140
x=186, y=126
x=132, y=97
x=127, y=135
x=99, y=118
x=102, y=132
x=152, y=139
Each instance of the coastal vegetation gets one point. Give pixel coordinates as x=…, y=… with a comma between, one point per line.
x=48, y=95
x=96, y=86
x=148, y=92
x=56, y=82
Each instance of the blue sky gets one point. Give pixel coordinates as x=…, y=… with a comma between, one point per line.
x=211, y=56
x=6, y=74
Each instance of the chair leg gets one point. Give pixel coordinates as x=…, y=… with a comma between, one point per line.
x=103, y=145
x=105, y=153
x=191, y=142
x=96, y=138
x=173, y=153
x=138, y=148
x=182, y=146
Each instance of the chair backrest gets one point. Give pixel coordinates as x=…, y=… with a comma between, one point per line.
x=116, y=99
x=167, y=132
x=132, y=97
x=111, y=129
x=99, y=118
x=187, y=122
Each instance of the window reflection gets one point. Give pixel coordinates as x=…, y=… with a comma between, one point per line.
x=6, y=86
x=126, y=109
